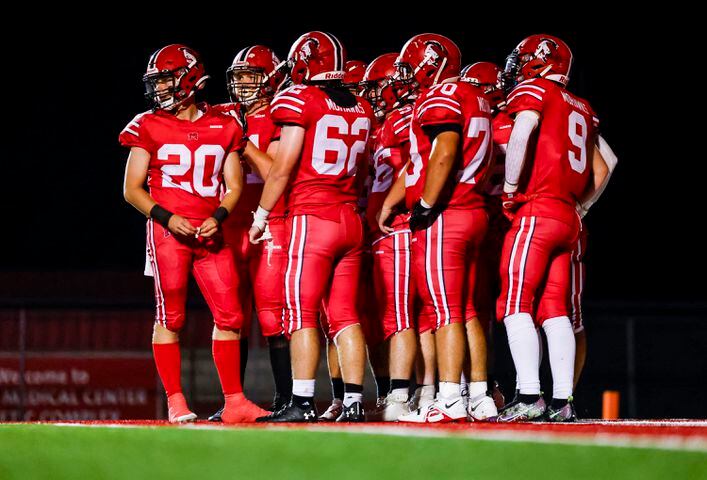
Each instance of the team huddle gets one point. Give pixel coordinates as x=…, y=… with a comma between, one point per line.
x=401, y=208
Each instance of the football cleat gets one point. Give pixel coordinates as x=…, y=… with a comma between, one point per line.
x=422, y=397
x=354, y=413
x=482, y=408
x=376, y=415
x=333, y=412
x=279, y=402
x=178, y=411
x=498, y=398
x=563, y=414
x=216, y=417
x=396, y=405
x=522, y=412
x=442, y=410
x=239, y=409
x=292, y=413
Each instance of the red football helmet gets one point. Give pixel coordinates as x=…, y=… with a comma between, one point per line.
x=254, y=74
x=378, y=84
x=316, y=57
x=353, y=74
x=486, y=76
x=174, y=74
x=540, y=56
x=428, y=59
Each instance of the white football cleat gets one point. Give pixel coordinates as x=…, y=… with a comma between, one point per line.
x=333, y=412
x=422, y=397
x=482, y=408
x=442, y=410
x=396, y=405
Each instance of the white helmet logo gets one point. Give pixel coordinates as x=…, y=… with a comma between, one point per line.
x=544, y=49
x=431, y=53
x=191, y=59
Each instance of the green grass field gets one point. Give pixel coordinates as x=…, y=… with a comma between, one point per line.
x=52, y=452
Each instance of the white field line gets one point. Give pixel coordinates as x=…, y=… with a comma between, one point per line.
x=602, y=439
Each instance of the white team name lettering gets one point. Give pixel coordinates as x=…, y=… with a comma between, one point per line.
x=215, y=126
x=574, y=102
x=484, y=105
x=333, y=106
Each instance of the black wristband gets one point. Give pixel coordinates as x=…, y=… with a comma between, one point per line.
x=161, y=215
x=220, y=214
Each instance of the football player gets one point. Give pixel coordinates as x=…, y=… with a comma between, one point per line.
x=354, y=70
x=450, y=148
x=541, y=194
x=392, y=284
x=324, y=137
x=487, y=76
x=252, y=80
x=185, y=150
x=603, y=165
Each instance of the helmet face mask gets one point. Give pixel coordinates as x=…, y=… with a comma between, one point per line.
x=246, y=85
x=404, y=84
x=162, y=91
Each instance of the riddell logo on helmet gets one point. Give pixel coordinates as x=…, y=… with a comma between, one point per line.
x=334, y=76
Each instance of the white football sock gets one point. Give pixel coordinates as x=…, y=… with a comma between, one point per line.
x=303, y=388
x=477, y=389
x=523, y=343
x=350, y=398
x=449, y=389
x=540, y=349
x=561, y=349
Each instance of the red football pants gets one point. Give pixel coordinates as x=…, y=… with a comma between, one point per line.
x=173, y=257
x=444, y=258
x=261, y=269
x=536, y=263
x=577, y=276
x=323, y=269
x=392, y=282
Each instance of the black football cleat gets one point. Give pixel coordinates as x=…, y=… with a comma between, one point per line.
x=291, y=413
x=279, y=402
x=354, y=413
x=216, y=417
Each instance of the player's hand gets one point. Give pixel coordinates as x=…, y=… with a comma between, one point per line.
x=513, y=201
x=255, y=234
x=421, y=218
x=180, y=226
x=383, y=217
x=208, y=228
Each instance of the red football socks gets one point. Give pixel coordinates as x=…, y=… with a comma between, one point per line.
x=227, y=357
x=169, y=365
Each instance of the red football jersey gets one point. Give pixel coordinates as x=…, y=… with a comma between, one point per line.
x=463, y=105
x=391, y=153
x=186, y=158
x=502, y=125
x=261, y=131
x=335, y=145
x=558, y=170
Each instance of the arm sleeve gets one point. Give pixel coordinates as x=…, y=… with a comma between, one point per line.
x=528, y=95
x=436, y=108
x=135, y=134
x=287, y=107
x=526, y=122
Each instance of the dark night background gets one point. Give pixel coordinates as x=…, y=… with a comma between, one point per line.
x=74, y=86
x=63, y=168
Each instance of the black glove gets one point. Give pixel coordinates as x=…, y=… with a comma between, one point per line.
x=421, y=218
